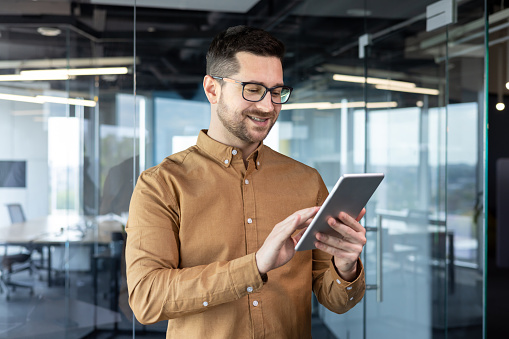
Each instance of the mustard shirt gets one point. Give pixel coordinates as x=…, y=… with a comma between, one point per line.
x=195, y=223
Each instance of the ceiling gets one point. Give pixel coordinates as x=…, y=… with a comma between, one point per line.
x=172, y=36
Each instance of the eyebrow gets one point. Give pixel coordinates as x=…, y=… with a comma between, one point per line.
x=262, y=83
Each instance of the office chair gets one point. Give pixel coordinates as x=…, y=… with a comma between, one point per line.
x=16, y=213
x=14, y=263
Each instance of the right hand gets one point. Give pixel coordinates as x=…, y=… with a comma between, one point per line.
x=279, y=247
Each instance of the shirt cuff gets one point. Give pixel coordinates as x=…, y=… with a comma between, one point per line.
x=335, y=274
x=354, y=289
x=244, y=275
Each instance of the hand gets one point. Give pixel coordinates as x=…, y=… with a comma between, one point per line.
x=347, y=246
x=279, y=247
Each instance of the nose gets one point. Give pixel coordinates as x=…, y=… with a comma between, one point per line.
x=266, y=104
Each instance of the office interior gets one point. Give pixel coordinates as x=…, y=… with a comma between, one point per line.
x=93, y=92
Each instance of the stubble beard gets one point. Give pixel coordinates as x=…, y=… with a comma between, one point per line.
x=238, y=127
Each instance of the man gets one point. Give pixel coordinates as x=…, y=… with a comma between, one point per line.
x=209, y=242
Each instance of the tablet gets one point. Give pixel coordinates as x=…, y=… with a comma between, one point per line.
x=350, y=194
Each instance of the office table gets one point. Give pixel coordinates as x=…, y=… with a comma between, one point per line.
x=57, y=230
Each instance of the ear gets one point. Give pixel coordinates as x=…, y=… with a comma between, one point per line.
x=212, y=89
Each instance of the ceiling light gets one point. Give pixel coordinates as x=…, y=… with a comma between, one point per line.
x=19, y=77
x=67, y=101
x=418, y=90
x=500, y=106
x=78, y=71
x=68, y=63
x=372, y=81
x=49, y=31
x=41, y=99
x=61, y=74
x=22, y=98
x=330, y=105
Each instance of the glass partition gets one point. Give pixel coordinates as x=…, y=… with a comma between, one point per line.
x=67, y=117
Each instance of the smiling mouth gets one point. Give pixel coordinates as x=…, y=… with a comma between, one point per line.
x=257, y=119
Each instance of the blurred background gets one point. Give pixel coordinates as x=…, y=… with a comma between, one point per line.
x=93, y=92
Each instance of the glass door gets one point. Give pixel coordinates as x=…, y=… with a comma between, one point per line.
x=425, y=245
x=423, y=126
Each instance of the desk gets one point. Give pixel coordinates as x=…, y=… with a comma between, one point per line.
x=55, y=230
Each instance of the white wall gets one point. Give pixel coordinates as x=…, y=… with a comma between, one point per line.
x=24, y=136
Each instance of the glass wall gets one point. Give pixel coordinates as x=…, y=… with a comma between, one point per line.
x=119, y=88
x=68, y=118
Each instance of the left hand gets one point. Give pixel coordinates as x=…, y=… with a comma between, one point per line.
x=347, y=246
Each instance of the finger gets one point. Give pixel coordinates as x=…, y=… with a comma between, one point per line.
x=338, y=248
x=297, y=220
x=347, y=232
x=306, y=216
x=308, y=213
x=361, y=215
x=351, y=222
x=334, y=250
x=299, y=235
x=336, y=242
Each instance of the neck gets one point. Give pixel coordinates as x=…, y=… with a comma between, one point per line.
x=245, y=147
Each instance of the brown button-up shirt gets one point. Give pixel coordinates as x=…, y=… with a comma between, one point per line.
x=195, y=223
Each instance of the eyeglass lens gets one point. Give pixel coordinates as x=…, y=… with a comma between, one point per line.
x=255, y=92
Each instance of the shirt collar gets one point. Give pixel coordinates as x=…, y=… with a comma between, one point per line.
x=224, y=153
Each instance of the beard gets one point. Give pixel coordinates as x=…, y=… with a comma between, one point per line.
x=235, y=123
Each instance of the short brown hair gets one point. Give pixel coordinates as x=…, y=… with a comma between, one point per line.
x=221, y=56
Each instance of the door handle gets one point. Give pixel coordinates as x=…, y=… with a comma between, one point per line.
x=379, y=259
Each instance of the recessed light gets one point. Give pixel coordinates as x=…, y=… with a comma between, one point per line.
x=49, y=31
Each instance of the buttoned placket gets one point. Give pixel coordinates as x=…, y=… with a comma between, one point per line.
x=252, y=243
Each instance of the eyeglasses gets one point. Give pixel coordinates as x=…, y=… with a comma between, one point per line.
x=254, y=92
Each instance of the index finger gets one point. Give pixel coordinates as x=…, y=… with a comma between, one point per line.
x=350, y=222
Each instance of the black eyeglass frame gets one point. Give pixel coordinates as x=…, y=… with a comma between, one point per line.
x=267, y=89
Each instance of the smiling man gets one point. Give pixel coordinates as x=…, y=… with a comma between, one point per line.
x=212, y=229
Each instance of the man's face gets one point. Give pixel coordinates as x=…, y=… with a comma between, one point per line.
x=250, y=122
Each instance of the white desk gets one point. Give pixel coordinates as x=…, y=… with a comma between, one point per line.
x=56, y=230
x=59, y=229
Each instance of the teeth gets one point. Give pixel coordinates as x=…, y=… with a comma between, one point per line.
x=257, y=119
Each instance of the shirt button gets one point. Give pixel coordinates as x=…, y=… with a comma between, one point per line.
x=255, y=303
x=351, y=298
x=349, y=288
x=250, y=289
x=205, y=303
x=226, y=161
x=338, y=281
x=249, y=221
x=246, y=182
x=234, y=152
x=258, y=163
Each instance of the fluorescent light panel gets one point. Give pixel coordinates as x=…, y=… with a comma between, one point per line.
x=61, y=74
x=330, y=105
x=385, y=84
x=418, y=90
x=41, y=99
x=372, y=81
x=77, y=71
